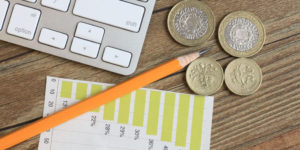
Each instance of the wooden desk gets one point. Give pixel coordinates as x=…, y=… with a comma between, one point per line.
x=271, y=116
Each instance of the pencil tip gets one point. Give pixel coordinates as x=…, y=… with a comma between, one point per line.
x=186, y=59
x=204, y=51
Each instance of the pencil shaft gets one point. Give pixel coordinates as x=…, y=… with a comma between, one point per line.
x=80, y=108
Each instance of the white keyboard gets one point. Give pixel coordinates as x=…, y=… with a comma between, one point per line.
x=107, y=34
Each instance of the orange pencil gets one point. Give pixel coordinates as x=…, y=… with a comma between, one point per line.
x=107, y=96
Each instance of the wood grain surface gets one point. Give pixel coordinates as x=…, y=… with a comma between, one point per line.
x=268, y=119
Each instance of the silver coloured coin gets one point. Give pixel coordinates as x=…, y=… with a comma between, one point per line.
x=191, y=23
x=241, y=34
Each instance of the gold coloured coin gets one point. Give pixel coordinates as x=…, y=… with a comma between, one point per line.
x=191, y=22
x=243, y=76
x=205, y=76
x=242, y=34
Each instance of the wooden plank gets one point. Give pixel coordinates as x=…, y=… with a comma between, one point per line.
x=286, y=141
x=11, y=51
x=238, y=122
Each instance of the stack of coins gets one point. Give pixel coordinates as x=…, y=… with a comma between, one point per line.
x=241, y=34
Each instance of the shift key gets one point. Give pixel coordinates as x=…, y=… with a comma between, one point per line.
x=23, y=22
x=112, y=12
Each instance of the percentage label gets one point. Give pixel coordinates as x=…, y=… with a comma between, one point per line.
x=136, y=134
x=93, y=120
x=46, y=140
x=50, y=104
x=166, y=147
x=65, y=104
x=122, y=131
x=52, y=91
x=151, y=144
x=107, y=129
x=53, y=80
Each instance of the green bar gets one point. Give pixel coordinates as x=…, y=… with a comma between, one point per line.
x=81, y=91
x=182, y=123
x=197, y=123
x=139, y=108
x=168, y=117
x=124, y=109
x=95, y=90
x=153, y=113
x=66, y=89
x=109, y=110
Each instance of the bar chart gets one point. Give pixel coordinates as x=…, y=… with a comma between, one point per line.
x=145, y=119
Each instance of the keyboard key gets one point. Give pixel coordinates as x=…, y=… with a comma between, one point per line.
x=62, y=5
x=89, y=32
x=32, y=1
x=113, y=12
x=116, y=56
x=23, y=21
x=84, y=47
x=53, y=38
x=3, y=10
